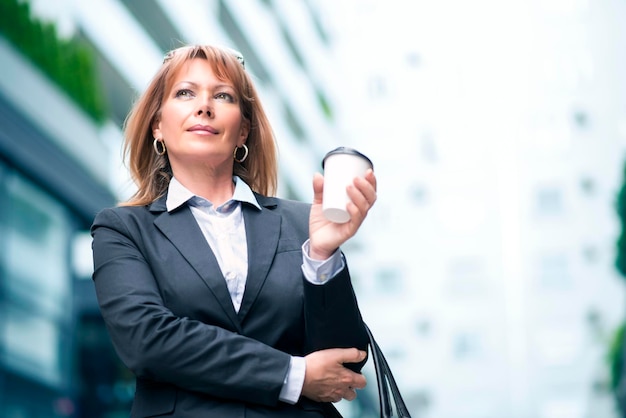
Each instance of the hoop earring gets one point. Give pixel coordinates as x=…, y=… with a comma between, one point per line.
x=155, y=145
x=245, y=153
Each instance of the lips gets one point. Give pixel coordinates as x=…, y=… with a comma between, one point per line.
x=203, y=129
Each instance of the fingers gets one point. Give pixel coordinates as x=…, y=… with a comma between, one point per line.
x=350, y=394
x=367, y=186
x=326, y=378
x=347, y=389
x=318, y=187
x=351, y=355
x=362, y=193
x=371, y=178
x=358, y=381
x=373, y=186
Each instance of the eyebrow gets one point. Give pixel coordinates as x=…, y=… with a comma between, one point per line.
x=196, y=85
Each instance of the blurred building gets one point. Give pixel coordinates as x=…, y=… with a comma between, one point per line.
x=59, y=166
x=52, y=181
x=497, y=133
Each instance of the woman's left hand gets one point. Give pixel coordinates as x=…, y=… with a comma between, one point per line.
x=326, y=236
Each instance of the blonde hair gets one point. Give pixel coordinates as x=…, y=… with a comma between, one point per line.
x=151, y=172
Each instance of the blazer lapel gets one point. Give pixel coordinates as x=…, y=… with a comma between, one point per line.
x=181, y=228
x=262, y=232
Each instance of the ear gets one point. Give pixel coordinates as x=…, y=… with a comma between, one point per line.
x=156, y=129
x=244, y=131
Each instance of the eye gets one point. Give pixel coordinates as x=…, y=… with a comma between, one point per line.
x=225, y=96
x=183, y=93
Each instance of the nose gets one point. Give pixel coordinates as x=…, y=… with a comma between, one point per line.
x=204, y=109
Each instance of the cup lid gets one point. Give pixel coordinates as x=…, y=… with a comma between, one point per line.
x=346, y=150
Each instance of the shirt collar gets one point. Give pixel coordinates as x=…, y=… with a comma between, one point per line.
x=177, y=194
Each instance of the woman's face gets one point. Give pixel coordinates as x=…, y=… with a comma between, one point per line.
x=200, y=120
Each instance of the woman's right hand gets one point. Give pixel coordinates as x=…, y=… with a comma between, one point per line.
x=326, y=378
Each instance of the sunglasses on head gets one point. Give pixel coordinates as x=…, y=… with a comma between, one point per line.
x=169, y=55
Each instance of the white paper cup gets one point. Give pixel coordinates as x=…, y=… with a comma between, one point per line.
x=341, y=166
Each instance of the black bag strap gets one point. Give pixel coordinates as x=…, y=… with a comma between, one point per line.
x=401, y=408
x=385, y=380
x=383, y=392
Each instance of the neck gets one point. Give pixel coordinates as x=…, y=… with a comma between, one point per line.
x=215, y=188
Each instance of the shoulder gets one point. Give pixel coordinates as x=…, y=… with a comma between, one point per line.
x=294, y=214
x=121, y=212
x=293, y=205
x=298, y=211
x=284, y=205
x=122, y=217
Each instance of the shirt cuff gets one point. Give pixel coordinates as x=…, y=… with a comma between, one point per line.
x=320, y=271
x=292, y=387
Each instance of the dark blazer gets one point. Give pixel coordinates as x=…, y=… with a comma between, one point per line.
x=171, y=319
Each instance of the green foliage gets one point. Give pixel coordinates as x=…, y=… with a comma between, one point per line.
x=616, y=356
x=323, y=102
x=70, y=63
x=620, y=261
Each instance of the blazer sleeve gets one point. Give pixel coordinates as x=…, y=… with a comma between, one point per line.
x=331, y=312
x=332, y=316
x=157, y=345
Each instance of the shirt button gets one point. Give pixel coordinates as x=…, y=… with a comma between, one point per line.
x=323, y=277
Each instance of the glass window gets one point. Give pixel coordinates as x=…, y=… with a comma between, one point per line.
x=553, y=272
x=37, y=239
x=467, y=345
x=562, y=407
x=549, y=201
x=389, y=281
x=466, y=278
x=377, y=87
x=35, y=280
x=32, y=343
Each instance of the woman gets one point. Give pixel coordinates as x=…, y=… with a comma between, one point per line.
x=223, y=301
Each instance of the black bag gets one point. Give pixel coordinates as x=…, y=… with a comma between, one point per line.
x=385, y=381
